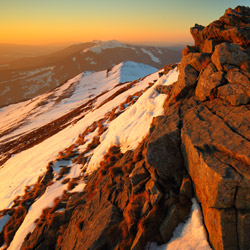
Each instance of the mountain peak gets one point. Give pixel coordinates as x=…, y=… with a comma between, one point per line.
x=101, y=45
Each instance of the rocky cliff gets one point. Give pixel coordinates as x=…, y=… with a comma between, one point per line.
x=199, y=147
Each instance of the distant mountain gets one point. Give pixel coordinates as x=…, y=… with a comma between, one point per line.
x=28, y=77
x=27, y=116
x=11, y=52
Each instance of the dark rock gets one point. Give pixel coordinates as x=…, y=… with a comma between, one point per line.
x=243, y=225
x=139, y=241
x=242, y=200
x=154, y=191
x=139, y=173
x=140, y=186
x=186, y=187
x=163, y=146
x=162, y=89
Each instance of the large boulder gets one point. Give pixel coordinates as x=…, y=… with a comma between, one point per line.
x=228, y=53
x=208, y=80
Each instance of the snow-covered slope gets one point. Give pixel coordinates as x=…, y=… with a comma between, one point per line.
x=29, y=77
x=81, y=89
x=109, y=105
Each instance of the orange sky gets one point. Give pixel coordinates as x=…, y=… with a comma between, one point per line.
x=158, y=21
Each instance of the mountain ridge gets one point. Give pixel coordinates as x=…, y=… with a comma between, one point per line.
x=29, y=77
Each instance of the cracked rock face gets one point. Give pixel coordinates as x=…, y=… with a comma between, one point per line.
x=215, y=116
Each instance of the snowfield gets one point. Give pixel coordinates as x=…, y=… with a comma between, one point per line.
x=126, y=131
x=44, y=108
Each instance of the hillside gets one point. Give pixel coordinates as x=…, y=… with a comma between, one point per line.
x=135, y=158
x=30, y=76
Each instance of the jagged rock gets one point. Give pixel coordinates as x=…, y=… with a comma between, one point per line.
x=236, y=77
x=208, y=46
x=175, y=214
x=190, y=49
x=139, y=186
x=139, y=241
x=196, y=33
x=139, y=173
x=195, y=60
x=233, y=27
x=162, y=89
x=235, y=94
x=187, y=80
x=228, y=53
x=167, y=68
x=123, y=196
x=146, y=208
x=98, y=219
x=208, y=80
x=186, y=187
x=154, y=191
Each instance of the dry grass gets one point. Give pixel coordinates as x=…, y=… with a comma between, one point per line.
x=132, y=213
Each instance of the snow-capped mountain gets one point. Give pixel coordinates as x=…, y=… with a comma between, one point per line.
x=28, y=77
x=59, y=139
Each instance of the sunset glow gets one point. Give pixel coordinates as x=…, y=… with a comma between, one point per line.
x=159, y=21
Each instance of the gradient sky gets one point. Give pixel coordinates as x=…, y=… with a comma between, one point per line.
x=140, y=21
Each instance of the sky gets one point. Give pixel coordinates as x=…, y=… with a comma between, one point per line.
x=134, y=21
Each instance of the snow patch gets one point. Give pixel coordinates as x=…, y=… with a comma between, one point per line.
x=189, y=236
x=154, y=58
x=19, y=170
x=128, y=129
x=106, y=45
x=130, y=71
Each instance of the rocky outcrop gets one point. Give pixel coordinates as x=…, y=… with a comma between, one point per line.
x=214, y=115
x=233, y=27
x=126, y=203
x=202, y=140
